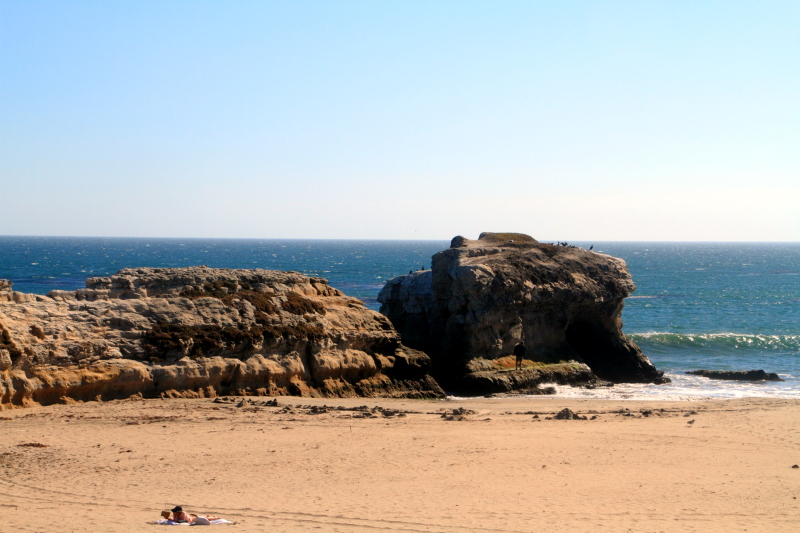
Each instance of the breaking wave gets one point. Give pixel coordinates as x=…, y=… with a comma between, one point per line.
x=718, y=342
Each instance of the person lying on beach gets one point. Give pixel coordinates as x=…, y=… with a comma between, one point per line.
x=199, y=520
x=181, y=516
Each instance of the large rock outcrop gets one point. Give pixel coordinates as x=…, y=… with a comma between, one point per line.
x=200, y=332
x=483, y=297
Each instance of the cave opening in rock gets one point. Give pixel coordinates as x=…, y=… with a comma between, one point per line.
x=593, y=344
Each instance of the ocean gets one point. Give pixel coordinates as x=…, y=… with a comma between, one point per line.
x=722, y=306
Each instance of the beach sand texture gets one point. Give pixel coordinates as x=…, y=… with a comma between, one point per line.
x=406, y=466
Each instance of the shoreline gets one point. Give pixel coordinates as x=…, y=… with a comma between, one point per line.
x=483, y=464
x=682, y=388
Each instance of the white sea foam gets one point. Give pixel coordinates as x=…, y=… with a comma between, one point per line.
x=686, y=387
x=683, y=387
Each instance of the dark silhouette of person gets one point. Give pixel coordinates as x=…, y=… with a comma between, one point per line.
x=519, y=353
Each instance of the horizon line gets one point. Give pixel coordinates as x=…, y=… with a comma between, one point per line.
x=543, y=241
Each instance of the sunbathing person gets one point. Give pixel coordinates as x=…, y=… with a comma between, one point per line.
x=200, y=520
x=181, y=516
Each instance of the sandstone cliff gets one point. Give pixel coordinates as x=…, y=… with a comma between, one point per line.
x=200, y=332
x=483, y=297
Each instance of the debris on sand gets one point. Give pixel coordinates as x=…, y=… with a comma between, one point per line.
x=568, y=414
x=458, y=414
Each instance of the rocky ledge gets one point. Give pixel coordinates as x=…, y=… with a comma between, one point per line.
x=482, y=297
x=737, y=375
x=496, y=376
x=197, y=332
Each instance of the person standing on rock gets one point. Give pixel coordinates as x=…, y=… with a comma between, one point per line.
x=519, y=353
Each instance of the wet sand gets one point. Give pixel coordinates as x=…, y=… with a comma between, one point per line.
x=723, y=465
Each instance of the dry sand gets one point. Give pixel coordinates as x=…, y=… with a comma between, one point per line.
x=114, y=466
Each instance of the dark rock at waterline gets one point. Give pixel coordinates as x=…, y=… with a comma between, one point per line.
x=481, y=298
x=737, y=375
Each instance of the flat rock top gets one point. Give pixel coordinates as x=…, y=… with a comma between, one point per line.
x=502, y=244
x=520, y=257
x=192, y=282
x=490, y=239
x=163, y=278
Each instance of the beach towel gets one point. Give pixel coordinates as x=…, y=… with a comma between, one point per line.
x=219, y=521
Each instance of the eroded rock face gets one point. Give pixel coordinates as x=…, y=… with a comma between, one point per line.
x=200, y=332
x=483, y=297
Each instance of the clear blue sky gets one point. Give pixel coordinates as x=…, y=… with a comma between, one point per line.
x=574, y=120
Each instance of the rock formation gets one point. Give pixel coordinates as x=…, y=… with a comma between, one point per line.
x=485, y=376
x=737, y=375
x=483, y=297
x=200, y=332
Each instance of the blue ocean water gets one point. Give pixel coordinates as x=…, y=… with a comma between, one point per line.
x=698, y=305
x=720, y=306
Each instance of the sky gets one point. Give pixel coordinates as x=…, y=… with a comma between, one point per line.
x=580, y=120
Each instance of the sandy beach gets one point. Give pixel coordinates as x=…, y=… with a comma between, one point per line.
x=476, y=465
